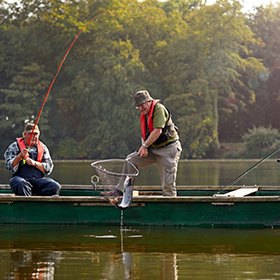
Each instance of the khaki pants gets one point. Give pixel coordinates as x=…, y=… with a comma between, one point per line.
x=167, y=159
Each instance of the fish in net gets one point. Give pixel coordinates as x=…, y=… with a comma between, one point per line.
x=117, y=177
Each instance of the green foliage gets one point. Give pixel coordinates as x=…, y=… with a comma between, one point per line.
x=202, y=61
x=261, y=141
x=21, y=101
x=68, y=149
x=195, y=118
x=232, y=155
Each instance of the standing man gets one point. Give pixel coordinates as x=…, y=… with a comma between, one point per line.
x=29, y=166
x=160, y=143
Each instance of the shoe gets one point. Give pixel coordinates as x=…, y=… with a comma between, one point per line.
x=114, y=193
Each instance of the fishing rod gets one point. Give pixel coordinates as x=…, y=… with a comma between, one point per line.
x=238, y=178
x=58, y=69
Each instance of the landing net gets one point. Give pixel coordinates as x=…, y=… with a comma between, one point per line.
x=113, y=172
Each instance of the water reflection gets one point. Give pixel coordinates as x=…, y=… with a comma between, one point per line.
x=138, y=265
x=89, y=252
x=42, y=265
x=26, y=264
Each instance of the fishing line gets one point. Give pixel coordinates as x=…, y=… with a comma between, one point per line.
x=58, y=69
x=238, y=178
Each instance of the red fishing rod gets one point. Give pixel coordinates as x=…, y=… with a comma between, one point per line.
x=58, y=69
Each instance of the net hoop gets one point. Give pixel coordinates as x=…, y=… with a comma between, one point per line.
x=98, y=166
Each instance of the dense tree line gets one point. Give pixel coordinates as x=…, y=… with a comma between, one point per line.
x=216, y=68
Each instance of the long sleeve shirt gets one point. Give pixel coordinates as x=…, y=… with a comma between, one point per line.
x=13, y=150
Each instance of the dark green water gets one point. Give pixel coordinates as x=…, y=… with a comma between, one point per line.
x=82, y=252
x=90, y=252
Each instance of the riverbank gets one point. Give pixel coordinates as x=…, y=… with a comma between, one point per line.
x=231, y=151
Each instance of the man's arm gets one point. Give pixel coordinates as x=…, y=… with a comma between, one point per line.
x=12, y=157
x=19, y=157
x=143, y=151
x=46, y=166
x=36, y=164
x=46, y=163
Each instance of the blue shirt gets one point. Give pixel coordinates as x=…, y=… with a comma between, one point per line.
x=13, y=150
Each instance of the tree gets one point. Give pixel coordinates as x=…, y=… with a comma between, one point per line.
x=195, y=58
x=21, y=102
x=228, y=64
x=265, y=24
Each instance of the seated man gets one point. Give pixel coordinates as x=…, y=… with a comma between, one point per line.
x=29, y=166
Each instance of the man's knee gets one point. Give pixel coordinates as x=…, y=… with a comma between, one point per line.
x=57, y=187
x=20, y=186
x=52, y=187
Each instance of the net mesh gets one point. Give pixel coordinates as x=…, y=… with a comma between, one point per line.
x=113, y=172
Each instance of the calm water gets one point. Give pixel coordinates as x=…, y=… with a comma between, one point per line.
x=89, y=252
x=71, y=252
x=213, y=173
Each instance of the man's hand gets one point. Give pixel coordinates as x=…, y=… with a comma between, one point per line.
x=143, y=152
x=30, y=161
x=23, y=153
x=19, y=157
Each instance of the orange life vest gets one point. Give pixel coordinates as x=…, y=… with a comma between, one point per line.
x=150, y=121
x=166, y=131
x=40, y=148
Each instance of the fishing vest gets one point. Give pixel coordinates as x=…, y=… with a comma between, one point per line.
x=169, y=130
x=27, y=171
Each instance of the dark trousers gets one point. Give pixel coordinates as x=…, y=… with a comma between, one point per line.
x=34, y=186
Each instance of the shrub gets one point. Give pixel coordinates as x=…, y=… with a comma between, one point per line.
x=261, y=141
x=232, y=155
